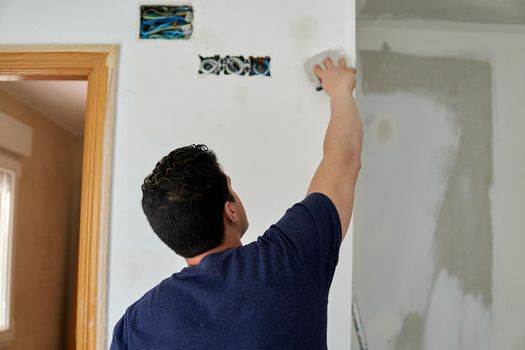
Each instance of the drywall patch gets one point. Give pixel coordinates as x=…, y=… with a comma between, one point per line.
x=459, y=230
x=503, y=11
x=463, y=227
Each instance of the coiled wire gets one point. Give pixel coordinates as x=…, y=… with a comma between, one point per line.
x=166, y=22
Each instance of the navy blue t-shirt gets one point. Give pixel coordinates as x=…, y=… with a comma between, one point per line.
x=269, y=294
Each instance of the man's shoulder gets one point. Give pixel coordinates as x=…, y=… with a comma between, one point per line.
x=146, y=299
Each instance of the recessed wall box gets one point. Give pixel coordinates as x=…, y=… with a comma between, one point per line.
x=166, y=22
x=260, y=66
x=235, y=65
x=210, y=65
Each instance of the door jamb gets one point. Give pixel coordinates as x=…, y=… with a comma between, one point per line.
x=97, y=64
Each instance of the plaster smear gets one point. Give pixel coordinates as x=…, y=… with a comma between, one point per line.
x=423, y=210
x=402, y=181
x=455, y=320
x=483, y=11
x=411, y=335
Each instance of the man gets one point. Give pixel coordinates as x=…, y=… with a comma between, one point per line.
x=269, y=294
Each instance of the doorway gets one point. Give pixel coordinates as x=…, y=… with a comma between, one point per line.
x=96, y=66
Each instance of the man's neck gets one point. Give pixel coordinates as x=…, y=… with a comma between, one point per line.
x=228, y=244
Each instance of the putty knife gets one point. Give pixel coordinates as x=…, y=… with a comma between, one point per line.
x=309, y=63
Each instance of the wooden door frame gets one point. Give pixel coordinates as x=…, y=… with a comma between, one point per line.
x=96, y=64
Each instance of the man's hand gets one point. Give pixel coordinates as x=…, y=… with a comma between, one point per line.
x=337, y=173
x=336, y=80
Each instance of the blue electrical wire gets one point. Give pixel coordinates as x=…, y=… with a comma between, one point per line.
x=155, y=29
x=166, y=22
x=165, y=19
x=174, y=34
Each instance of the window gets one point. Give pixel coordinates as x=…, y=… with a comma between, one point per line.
x=8, y=175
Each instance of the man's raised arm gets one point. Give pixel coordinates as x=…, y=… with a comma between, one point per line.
x=337, y=173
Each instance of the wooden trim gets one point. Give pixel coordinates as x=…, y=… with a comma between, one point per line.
x=97, y=65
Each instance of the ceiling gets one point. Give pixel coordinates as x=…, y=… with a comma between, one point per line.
x=481, y=11
x=64, y=102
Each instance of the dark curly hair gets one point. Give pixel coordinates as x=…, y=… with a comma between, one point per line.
x=183, y=199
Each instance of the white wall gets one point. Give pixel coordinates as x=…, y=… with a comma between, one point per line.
x=424, y=304
x=266, y=132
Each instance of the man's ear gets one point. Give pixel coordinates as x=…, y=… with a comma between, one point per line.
x=230, y=212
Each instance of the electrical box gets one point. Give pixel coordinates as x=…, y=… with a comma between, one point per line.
x=166, y=22
x=235, y=65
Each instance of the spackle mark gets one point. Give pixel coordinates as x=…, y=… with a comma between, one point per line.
x=384, y=130
x=411, y=334
x=303, y=32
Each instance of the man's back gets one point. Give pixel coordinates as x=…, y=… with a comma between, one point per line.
x=270, y=294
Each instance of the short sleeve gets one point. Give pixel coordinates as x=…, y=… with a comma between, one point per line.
x=119, y=341
x=311, y=231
